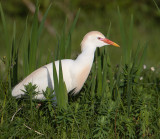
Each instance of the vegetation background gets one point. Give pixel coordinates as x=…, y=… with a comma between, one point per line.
x=122, y=102
x=95, y=15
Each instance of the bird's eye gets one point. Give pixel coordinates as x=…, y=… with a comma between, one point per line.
x=99, y=38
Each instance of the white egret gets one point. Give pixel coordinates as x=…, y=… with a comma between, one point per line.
x=75, y=72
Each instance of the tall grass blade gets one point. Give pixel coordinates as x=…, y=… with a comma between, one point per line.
x=130, y=39
x=62, y=51
x=56, y=50
x=129, y=66
x=129, y=93
x=60, y=87
x=99, y=74
x=141, y=61
x=93, y=82
x=104, y=76
x=25, y=45
x=110, y=73
x=156, y=6
x=124, y=42
x=14, y=59
x=74, y=22
x=43, y=21
x=118, y=81
x=33, y=41
x=136, y=54
x=6, y=36
x=68, y=46
x=109, y=30
x=63, y=95
x=40, y=29
x=7, y=44
x=108, y=64
x=68, y=41
x=55, y=78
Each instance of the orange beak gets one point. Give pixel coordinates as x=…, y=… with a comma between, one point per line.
x=110, y=42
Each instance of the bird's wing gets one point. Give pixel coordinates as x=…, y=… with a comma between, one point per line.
x=42, y=77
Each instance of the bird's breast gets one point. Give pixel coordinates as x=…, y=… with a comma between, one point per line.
x=81, y=78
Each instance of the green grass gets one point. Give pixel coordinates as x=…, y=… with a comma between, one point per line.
x=115, y=102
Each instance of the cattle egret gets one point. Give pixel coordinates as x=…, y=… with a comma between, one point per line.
x=75, y=72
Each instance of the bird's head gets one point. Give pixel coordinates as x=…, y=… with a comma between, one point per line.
x=95, y=39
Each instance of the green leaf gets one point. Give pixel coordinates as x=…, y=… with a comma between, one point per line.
x=43, y=21
x=33, y=41
x=63, y=99
x=74, y=22
x=6, y=36
x=25, y=46
x=156, y=6
x=99, y=76
x=109, y=30
x=14, y=59
x=55, y=78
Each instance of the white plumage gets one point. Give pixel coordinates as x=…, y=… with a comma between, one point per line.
x=75, y=72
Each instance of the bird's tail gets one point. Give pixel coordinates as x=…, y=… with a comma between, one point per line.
x=17, y=91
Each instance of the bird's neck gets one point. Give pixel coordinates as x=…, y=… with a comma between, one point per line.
x=82, y=68
x=86, y=57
